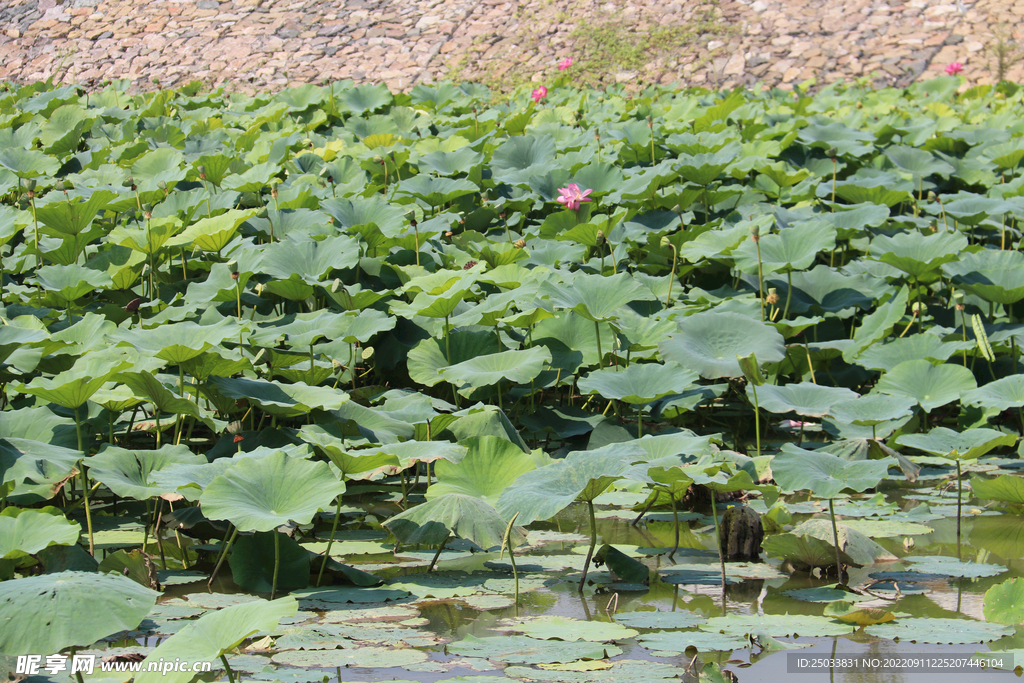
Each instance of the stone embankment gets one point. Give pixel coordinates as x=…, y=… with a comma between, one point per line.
x=249, y=45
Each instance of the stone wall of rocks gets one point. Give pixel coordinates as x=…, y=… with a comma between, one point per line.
x=249, y=45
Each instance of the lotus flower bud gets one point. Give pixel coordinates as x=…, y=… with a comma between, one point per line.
x=773, y=296
x=600, y=238
x=755, y=233
x=519, y=243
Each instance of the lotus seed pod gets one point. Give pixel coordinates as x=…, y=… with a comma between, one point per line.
x=755, y=230
x=60, y=186
x=232, y=266
x=28, y=183
x=919, y=307
x=665, y=242
x=133, y=305
x=519, y=243
x=367, y=353
x=163, y=186
x=773, y=296
x=600, y=237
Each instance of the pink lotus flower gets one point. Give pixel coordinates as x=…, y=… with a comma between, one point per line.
x=572, y=197
x=565, y=64
x=539, y=94
x=954, y=68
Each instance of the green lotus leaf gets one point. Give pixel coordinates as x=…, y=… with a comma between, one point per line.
x=596, y=297
x=36, y=461
x=283, y=400
x=572, y=340
x=825, y=475
x=973, y=210
x=190, y=478
x=411, y=452
x=25, y=532
x=215, y=634
x=885, y=357
x=350, y=463
x=69, y=217
x=806, y=552
x=639, y=383
x=376, y=425
x=13, y=338
x=932, y=630
x=990, y=274
x=916, y=254
x=680, y=641
x=561, y=628
x=713, y=244
x=775, y=625
x=583, y=475
x=790, y=249
x=1004, y=602
x=1006, y=488
x=521, y=157
x=877, y=325
x=490, y=465
x=28, y=163
x=710, y=342
x=872, y=409
x=838, y=136
x=917, y=162
x=525, y=650
x=160, y=165
x=950, y=566
x=373, y=211
x=885, y=190
x=311, y=260
x=428, y=358
x=261, y=494
x=211, y=234
x=657, y=619
x=67, y=283
x=436, y=191
x=364, y=98
x=930, y=385
x=465, y=516
x=252, y=563
x=157, y=390
x=129, y=473
x=461, y=160
x=72, y=388
x=253, y=179
x=704, y=168
x=966, y=445
x=180, y=342
x=430, y=305
x=519, y=366
x=805, y=398
x=81, y=608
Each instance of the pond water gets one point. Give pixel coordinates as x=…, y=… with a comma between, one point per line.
x=460, y=622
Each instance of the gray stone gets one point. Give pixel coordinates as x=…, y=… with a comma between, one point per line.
x=208, y=4
x=85, y=3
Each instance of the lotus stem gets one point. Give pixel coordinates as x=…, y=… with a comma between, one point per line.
x=437, y=555
x=177, y=536
x=760, y=282
x=789, y=293
x=672, y=276
x=506, y=542
x=277, y=562
x=593, y=542
x=757, y=419
x=959, y=503
x=835, y=540
x=675, y=519
x=227, y=668
x=330, y=541
x=600, y=354
x=85, y=483
x=718, y=542
x=223, y=554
